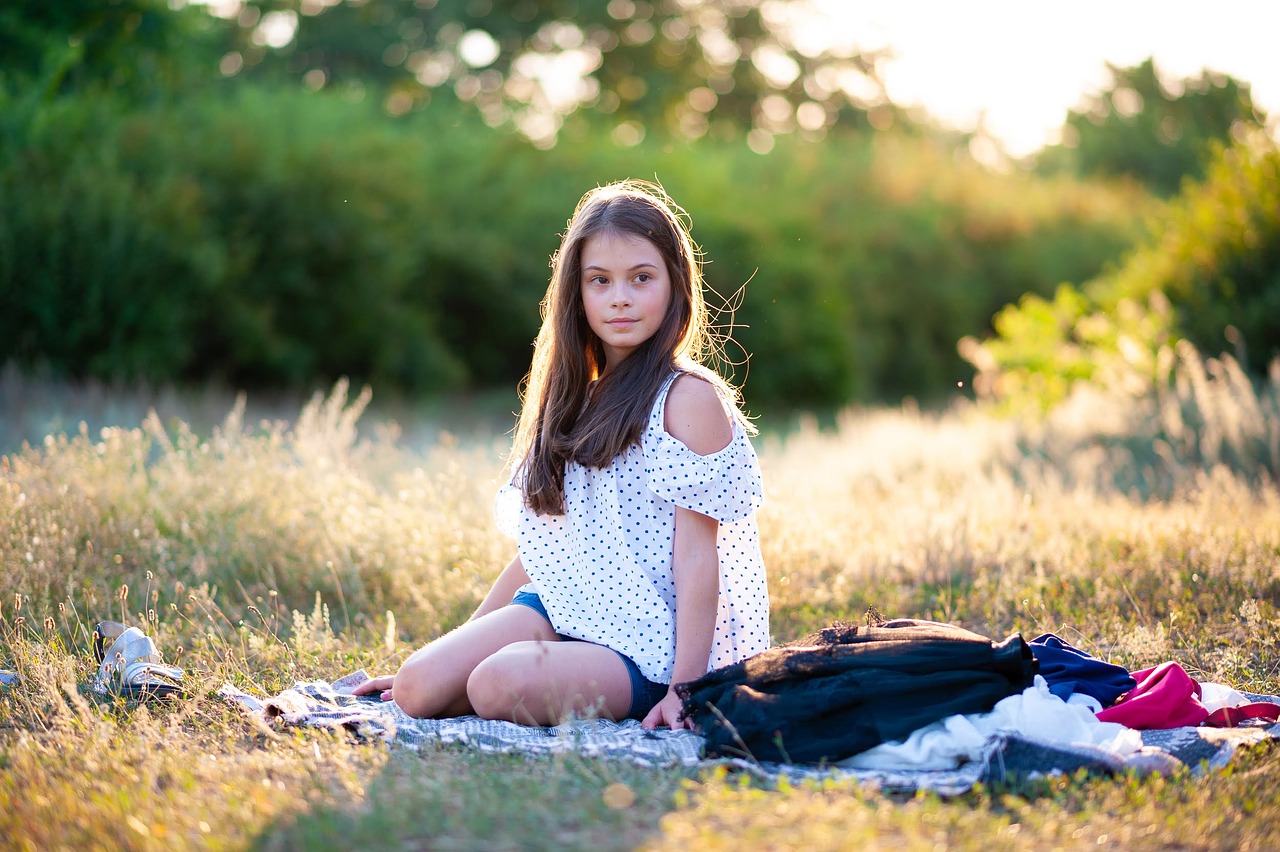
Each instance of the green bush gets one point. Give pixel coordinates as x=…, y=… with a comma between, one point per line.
x=1208, y=273
x=869, y=259
x=268, y=237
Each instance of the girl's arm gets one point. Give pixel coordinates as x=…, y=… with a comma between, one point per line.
x=697, y=576
x=503, y=589
x=696, y=417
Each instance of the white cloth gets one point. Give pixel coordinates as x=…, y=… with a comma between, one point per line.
x=604, y=568
x=1215, y=696
x=1085, y=700
x=1036, y=713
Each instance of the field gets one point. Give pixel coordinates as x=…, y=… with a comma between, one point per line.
x=263, y=551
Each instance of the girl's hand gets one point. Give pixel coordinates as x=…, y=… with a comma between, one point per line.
x=378, y=684
x=667, y=712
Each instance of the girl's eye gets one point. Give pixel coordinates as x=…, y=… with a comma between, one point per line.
x=643, y=277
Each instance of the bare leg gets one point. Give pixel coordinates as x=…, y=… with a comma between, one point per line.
x=432, y=683
x=540, y=683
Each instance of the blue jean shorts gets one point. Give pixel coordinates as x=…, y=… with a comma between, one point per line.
x=644, y=692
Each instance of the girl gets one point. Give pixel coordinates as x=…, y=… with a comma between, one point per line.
x=632, y=501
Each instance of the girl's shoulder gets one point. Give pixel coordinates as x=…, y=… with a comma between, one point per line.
x=697, y=453
x=695, y=411
x=693, y=378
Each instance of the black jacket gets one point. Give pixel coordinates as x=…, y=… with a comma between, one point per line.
x=847, y=688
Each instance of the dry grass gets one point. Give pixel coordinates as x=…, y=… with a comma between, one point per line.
x=262, y=554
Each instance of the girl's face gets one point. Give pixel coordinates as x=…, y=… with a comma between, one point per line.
x=626, y=291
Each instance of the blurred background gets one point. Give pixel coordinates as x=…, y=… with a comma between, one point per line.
x=895, y=201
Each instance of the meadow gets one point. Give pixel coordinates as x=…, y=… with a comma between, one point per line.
x=266, y=548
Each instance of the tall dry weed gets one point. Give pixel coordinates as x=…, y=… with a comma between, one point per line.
x=230, y=544
x=1201, y=414
x=134, y=521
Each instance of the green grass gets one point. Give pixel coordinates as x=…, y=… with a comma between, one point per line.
x=262, y=552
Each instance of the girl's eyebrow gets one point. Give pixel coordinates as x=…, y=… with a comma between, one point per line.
x=632, y=269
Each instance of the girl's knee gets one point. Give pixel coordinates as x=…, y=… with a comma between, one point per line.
x=412, y=689
x=506, y=684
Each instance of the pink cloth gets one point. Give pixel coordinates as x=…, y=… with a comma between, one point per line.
x=1165, y=697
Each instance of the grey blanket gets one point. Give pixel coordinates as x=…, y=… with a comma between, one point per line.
x=331, y=705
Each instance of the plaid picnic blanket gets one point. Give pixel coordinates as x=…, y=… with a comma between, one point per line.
x=331, y=705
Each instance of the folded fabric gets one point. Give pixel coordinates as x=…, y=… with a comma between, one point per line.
x=1035, y=714
x=849, y=688
x=1068, y=670
x=1165, y=697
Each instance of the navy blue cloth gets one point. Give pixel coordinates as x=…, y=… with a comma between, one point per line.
x=1068, y=669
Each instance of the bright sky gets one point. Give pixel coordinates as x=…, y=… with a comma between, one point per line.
x=1021, y=64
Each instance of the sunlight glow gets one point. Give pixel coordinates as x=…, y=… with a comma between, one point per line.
x=477, y=48
x=1005, y=70
x=276, y=29
x=776, y=66
x=560, y=77
x=1013, y=69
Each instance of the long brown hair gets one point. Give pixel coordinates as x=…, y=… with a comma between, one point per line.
x=557, y=421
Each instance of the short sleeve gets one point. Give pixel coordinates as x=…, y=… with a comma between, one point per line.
x=508, y=507
x=724, y=485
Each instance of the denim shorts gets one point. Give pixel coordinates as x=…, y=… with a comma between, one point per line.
x=644, y=692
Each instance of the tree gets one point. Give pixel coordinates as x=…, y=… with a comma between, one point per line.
x=686, y=66
x=1208, y=273
x=126, y=46
x=1152, y=129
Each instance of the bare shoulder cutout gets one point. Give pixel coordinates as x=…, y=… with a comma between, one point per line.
x=695, y=415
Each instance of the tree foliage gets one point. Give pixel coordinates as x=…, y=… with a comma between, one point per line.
x=136, y=46
x=684, y=67
x=1151, y=128
x=274, y=237
x=176, y=205
x=1208, y=273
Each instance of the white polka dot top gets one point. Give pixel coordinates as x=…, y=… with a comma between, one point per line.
x=603, y=569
